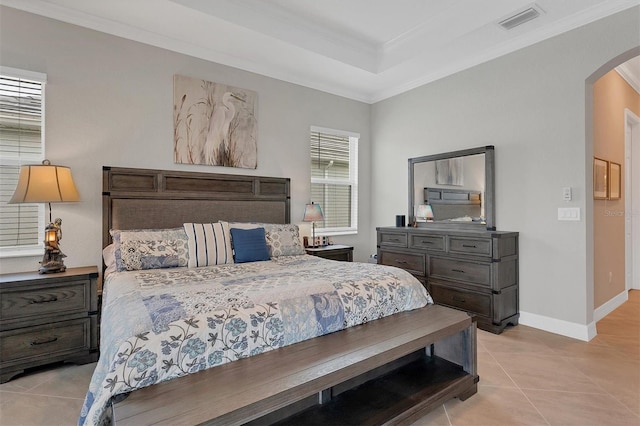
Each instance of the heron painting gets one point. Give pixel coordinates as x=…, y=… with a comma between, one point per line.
x=214, y=124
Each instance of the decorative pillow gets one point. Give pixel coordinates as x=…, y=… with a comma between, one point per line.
x=209, y=244
x=249, y=245
x=245, y=225
x=109, y=256
x=150, y=248
x=282, y=239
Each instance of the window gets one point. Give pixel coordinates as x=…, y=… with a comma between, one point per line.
x=21, y=142
x=334, y=179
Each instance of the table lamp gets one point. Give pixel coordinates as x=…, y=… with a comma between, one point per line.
x=424, y=213
x=46, y=183
x=313, y=213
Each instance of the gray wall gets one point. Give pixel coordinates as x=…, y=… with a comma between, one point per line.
x=531, y=105
x=109, y=101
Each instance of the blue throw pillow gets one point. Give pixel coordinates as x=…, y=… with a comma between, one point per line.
x=249, y=245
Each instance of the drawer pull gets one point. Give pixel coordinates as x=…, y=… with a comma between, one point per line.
x=43, y=342
x=458, y=299
x=426, y=242
x=402, y=262
x=53, y=299
x=458, y=270
x=469, y=246
x=395, y=240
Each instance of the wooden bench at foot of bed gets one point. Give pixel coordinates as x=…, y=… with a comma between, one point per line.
x=392, y=370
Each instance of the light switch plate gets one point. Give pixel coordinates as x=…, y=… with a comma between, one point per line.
x=569, y=213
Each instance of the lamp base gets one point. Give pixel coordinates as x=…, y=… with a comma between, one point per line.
x=52, y=261
x=52, y=269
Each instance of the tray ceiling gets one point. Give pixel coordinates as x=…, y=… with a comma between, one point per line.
x=366, y=50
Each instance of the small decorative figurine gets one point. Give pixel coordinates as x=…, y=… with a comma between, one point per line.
x=52, y=261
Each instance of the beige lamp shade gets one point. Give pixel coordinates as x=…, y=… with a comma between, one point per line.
x=312, y=213
x=45, y=183
x=424, y=212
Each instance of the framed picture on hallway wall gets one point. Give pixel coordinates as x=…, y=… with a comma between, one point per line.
x=600, y=186
x=615, y=177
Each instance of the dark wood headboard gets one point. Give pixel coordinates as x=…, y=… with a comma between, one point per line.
x=449, y=203
x=151, y=199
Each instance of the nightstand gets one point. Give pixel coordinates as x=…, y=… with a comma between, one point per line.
x=333, y=252
x=47, y=318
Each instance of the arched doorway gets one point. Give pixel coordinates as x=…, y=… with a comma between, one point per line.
x=607, y=218
x=632, y=199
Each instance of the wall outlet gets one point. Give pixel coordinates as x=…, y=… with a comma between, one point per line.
x=566, y=193
x=569, y=213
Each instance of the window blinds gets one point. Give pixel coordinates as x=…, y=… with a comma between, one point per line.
x=333, y=178
x=21, y=124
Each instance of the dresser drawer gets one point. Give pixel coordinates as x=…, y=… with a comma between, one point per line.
x=427, y=242
x=395, y=239
x=464, y=245
x=413, y=263
x=460, y=270
x=41, y=301
x=469, y=301
x=49, y=340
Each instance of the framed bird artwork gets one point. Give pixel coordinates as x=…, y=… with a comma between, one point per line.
x=214, y=124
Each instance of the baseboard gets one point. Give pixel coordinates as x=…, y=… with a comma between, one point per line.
x=554, y=325
x=608, y=307
x=571, y=329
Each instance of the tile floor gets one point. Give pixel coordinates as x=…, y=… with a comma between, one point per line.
x=527, y=377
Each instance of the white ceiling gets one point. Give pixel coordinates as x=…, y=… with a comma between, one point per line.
x=366, y=50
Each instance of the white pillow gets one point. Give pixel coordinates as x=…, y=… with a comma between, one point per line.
x=209, y=244
x=109, y=256
x=244, y=225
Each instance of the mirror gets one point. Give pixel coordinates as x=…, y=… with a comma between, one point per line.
x=457, y=187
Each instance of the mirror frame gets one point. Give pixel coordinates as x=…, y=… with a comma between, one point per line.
x=489, y=187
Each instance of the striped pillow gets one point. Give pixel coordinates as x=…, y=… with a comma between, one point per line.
x=209, y=244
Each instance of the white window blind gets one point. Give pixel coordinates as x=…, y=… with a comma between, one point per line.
x=21, y=142
x=334, y=179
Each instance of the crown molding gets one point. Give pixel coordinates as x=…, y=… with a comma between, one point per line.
x=283, y=25
x=629, y=76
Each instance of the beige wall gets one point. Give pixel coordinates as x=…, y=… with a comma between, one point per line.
x=611, y=95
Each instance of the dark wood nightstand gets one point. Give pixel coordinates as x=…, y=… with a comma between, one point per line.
x=333, y=252
x=47, y=318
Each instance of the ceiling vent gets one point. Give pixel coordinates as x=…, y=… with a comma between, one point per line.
x=526, y=15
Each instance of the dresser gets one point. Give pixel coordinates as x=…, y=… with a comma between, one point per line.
x=471, y=270
x=47, y=318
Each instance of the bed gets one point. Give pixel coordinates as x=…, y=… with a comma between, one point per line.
x=187, y=317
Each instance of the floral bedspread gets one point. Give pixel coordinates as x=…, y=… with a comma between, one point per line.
x=165, y=323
